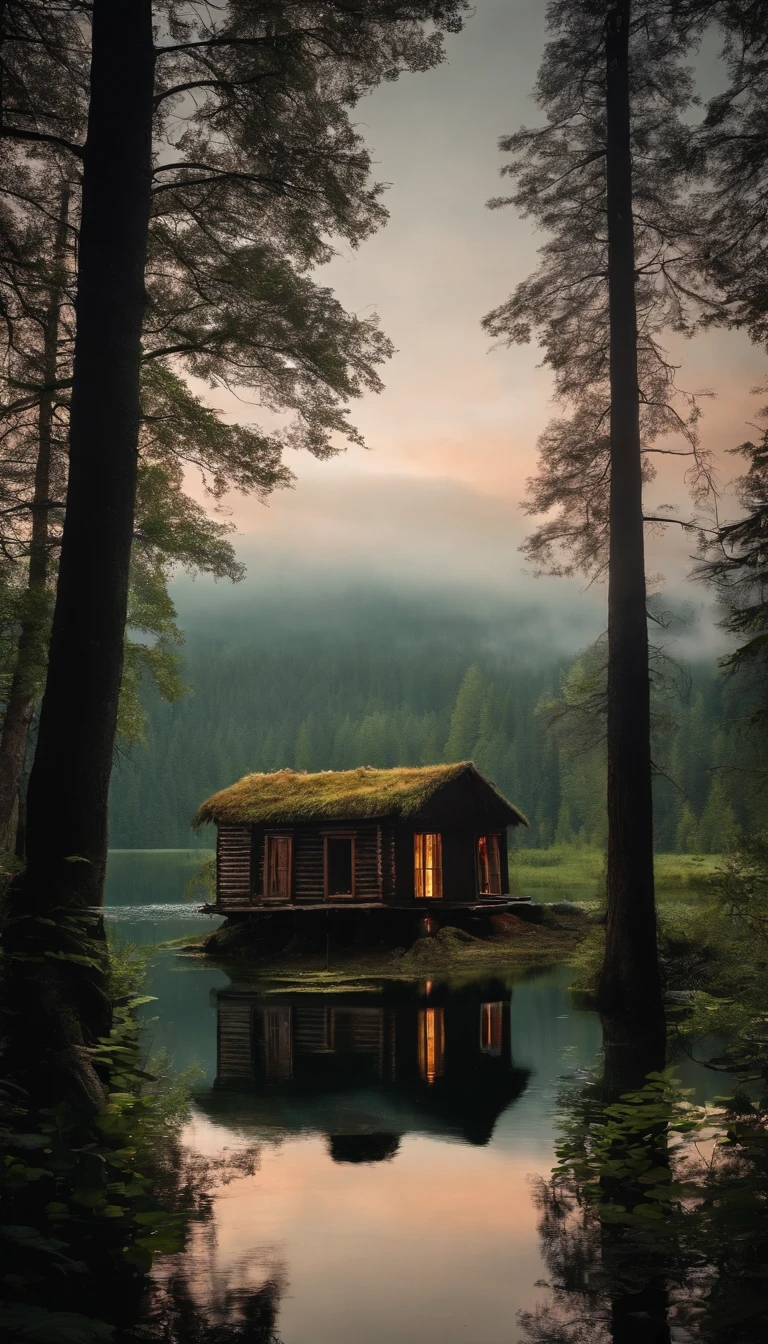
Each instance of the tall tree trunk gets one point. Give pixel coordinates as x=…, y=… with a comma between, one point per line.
x=21, y=697
x=630, y=983
x=69, y=783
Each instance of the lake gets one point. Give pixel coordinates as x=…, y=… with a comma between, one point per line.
x=382, y=1145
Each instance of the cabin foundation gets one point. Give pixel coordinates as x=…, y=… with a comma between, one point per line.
x=275, y=932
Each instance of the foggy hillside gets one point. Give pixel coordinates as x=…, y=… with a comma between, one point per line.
x=338, y=675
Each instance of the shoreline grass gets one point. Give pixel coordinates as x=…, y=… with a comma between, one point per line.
x=561, y=868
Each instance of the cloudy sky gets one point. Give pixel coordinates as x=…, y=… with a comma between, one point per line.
x=452, y=438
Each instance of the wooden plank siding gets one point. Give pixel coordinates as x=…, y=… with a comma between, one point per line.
x=388, y=863
x=367, y=863
x=308, y=867
x=235, y=1046
x=240, y=864
x=233, y=865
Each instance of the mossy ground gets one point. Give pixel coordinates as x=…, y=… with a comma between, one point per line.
x=514, y=943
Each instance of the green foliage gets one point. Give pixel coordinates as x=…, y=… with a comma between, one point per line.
x=41, y=1326
x=202, y=884
x=34, y=608
x=178, y=428
x=735, y=564
x=79, y=1198
x=742, y=885
x=729, y=953
x=621, y=1157
x=126, y=969
x=655, y=1211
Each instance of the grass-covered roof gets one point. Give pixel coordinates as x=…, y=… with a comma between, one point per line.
x=288, y=796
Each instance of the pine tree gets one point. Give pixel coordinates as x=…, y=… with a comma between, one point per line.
x=605, y=177
x=687, y=833
x=465, y=719
x=564, y=831
x=718, y=824
x=304, y=751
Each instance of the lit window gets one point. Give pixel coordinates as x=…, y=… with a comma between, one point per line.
x=277, y=868
x=488, y=865
x=427, y=866
x=431, y=1043
x=491, y=1025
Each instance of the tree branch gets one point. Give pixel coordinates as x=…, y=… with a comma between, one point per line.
x=39, y=137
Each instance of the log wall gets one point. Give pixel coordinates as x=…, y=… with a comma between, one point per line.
x=388, y=863
x=234, y=1027
x=233, y=866
x=308, y=869
x=383, y=863
x=307, y=865
x=240, y=864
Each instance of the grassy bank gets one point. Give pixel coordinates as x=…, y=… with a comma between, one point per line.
x=577, y=871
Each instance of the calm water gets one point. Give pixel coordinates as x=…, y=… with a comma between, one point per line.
x=386, y=1141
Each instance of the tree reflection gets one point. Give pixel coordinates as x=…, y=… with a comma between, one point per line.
x=237, y=1318
x=189, y=1300
x=653, y=1225
x=600, y=1210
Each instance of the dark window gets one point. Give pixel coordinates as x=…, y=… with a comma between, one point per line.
x=339, y=865
x=274, y=1044
x=488, y=865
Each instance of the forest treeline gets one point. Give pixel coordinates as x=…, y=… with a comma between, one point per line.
x=275, y=697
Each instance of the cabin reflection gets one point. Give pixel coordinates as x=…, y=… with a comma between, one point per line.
x=364, y=1069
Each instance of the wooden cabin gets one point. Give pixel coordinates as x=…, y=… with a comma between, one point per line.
x=365, y=1069
x=430, y=837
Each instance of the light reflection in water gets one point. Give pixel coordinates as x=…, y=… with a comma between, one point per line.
x=389, y=1196
x=431, y=1043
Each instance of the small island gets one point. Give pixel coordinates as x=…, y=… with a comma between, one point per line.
x=426, y=841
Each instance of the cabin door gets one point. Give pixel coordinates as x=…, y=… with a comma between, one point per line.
x=278, y=862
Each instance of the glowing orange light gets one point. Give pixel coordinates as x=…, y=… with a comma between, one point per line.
x=491, y=1027
x=431, y=1043
x=428, y=866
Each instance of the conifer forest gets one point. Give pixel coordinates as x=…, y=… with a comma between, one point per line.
x=383, y=671
x=380, y=689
